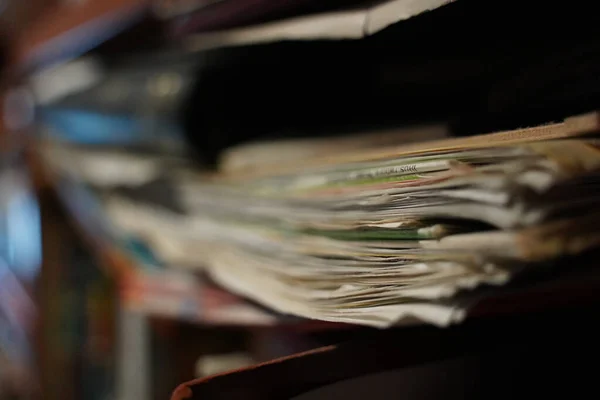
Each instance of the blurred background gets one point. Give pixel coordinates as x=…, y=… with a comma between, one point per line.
x=121, y=90
x=78, y=319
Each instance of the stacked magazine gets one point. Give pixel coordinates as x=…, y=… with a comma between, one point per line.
x=369, y=235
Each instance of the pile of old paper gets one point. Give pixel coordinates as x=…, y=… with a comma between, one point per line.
x=374, y=236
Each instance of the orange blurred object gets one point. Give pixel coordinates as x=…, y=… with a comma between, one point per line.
x=40, y=28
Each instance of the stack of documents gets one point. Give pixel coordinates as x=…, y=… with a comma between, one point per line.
x=373, y=237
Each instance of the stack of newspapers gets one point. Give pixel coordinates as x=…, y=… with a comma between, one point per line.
x=371, y=235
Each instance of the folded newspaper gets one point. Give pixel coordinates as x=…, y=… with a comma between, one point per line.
x=377, y=236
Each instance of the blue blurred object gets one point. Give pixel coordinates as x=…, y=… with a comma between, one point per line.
x=90, y=127
x=141, y=253
x=95, y=128
x=20, y=229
